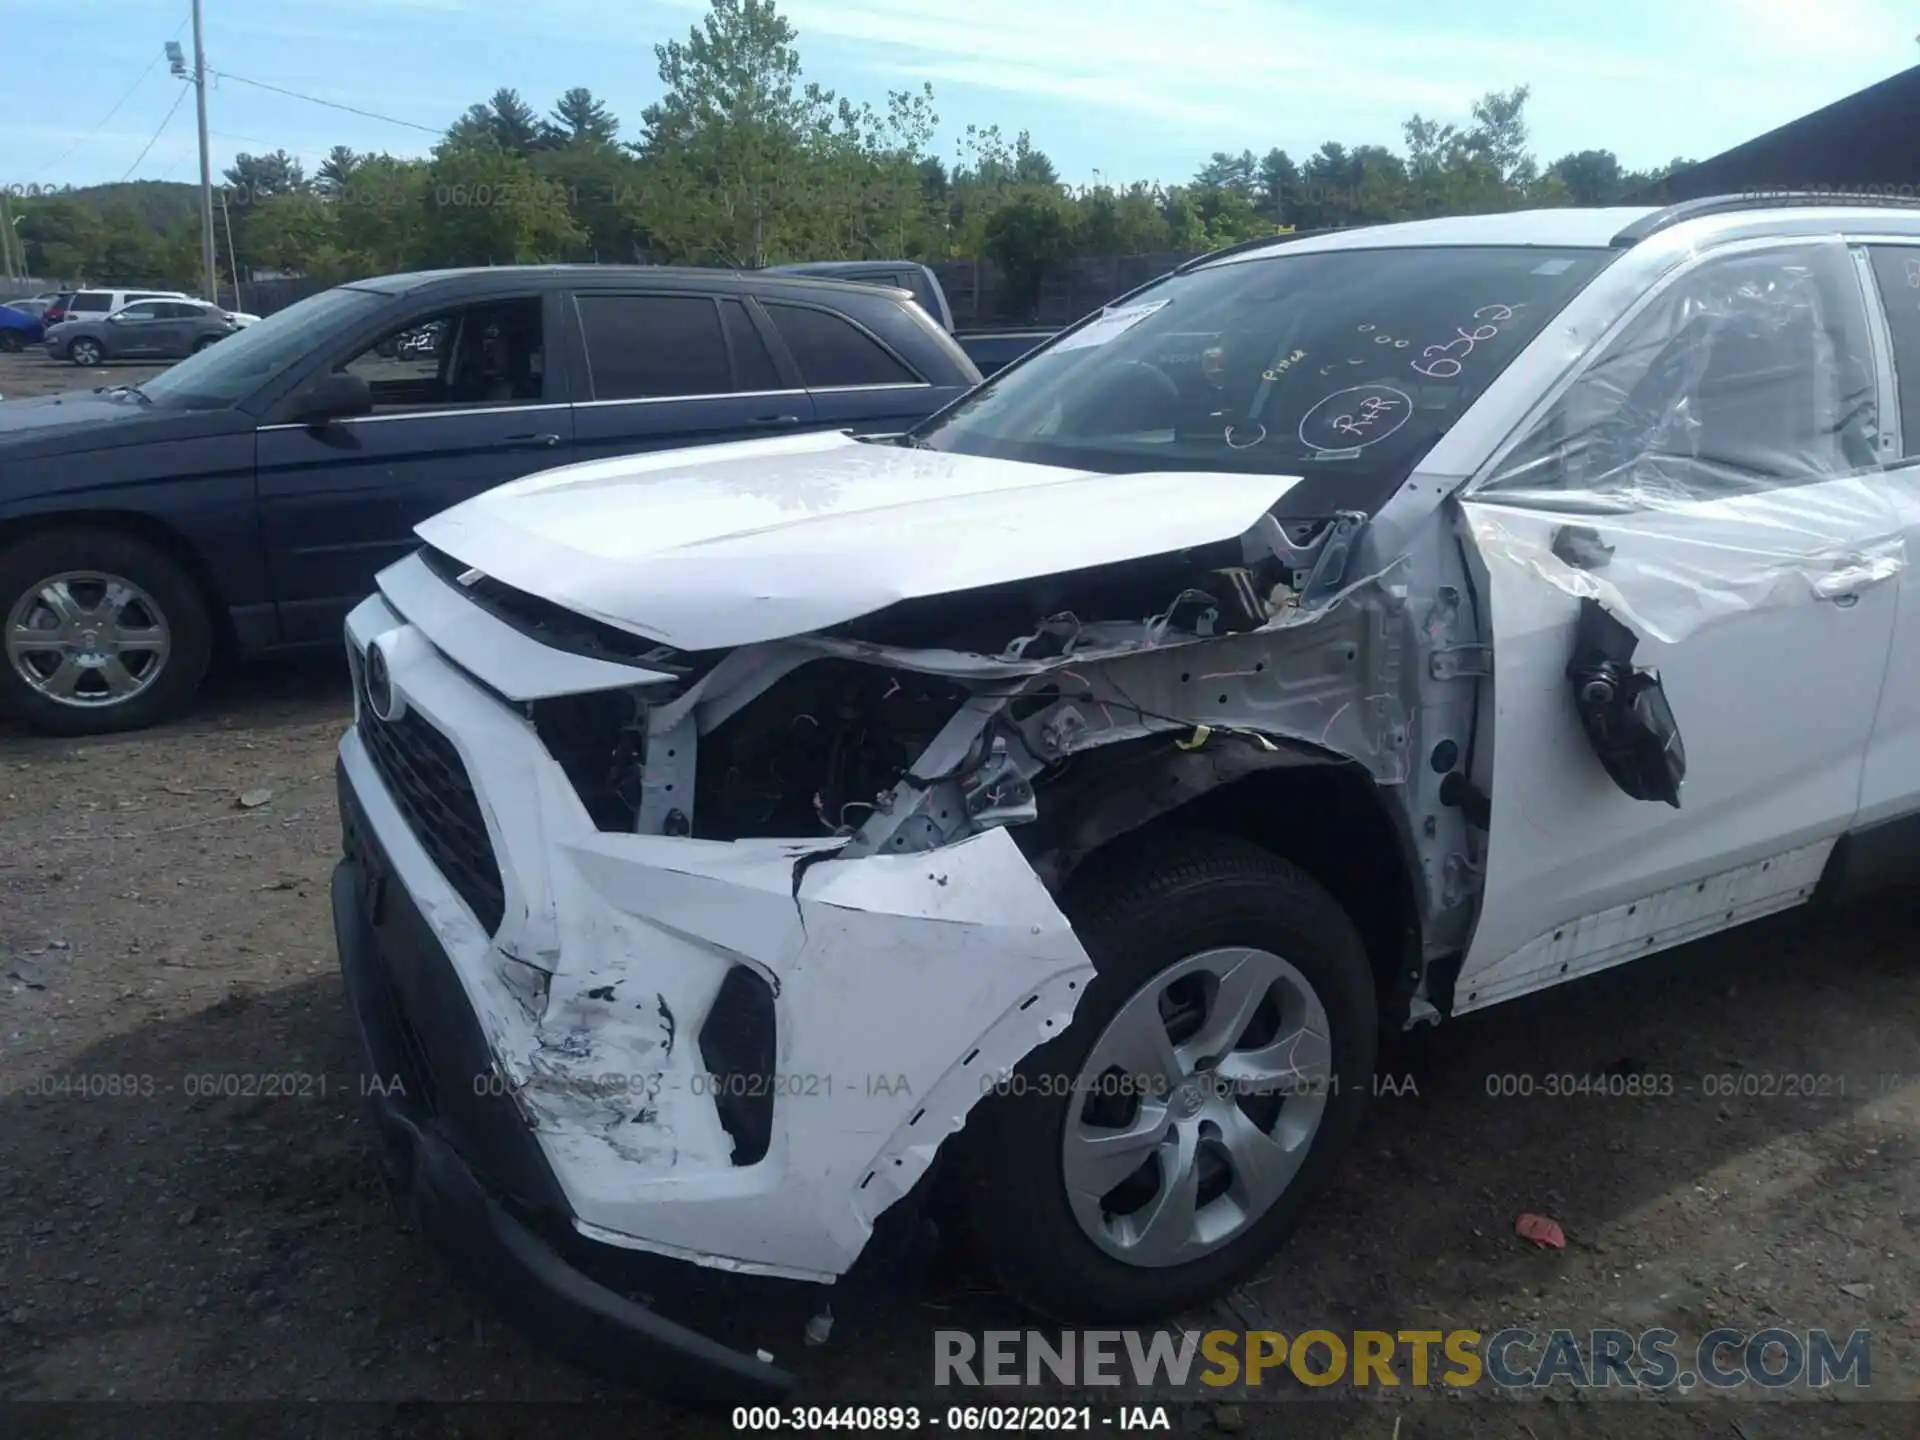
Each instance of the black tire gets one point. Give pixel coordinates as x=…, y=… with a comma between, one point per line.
x=203, y=342
x=12, y=342
x=1138, y=912
x=79, y=351
x=28, y=562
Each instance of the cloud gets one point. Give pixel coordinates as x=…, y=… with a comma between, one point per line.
x=1233, y=65
x=1797, y=31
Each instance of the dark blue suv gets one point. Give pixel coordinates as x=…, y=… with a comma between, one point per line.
x=243, y=500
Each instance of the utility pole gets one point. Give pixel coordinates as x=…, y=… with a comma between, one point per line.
x=199, y=78
x=7, y=239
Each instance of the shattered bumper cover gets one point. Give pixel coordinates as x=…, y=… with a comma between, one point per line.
x=385, y=949
x=735, y=1054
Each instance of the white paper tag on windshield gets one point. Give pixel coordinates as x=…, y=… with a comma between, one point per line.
x=1110, y=324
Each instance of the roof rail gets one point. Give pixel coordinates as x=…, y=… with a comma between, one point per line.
x=1671, y=215
x=1258, y=242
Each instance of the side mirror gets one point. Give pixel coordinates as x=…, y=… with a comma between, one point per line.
x=116, y=318
x=338, y=396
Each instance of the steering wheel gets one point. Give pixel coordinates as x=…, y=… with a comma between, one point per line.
x=1165, y=383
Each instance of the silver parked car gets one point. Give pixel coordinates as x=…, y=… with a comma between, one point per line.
x=143, y=330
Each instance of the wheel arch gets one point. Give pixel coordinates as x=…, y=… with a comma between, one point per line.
x=1312, y=807
x=157, y=533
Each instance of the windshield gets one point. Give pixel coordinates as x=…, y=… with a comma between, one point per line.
x=227, y=373
x=1344, y=365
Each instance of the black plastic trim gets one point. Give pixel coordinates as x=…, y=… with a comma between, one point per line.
x=1882, y=856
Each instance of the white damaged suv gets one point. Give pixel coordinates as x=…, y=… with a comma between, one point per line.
x=1332, y=637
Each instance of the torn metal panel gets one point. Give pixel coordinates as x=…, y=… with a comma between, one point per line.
x=1671, y=570
x=963, y=940
x=1335, y=679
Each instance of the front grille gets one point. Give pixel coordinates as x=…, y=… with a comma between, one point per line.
x=429, y=785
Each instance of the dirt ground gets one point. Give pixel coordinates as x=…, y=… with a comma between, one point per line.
x=158, y=1243
x=32, y=373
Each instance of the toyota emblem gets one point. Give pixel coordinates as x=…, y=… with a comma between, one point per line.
x=379, y=683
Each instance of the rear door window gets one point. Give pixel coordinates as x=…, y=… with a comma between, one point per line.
x=832, y=352
x=650, y=347
x=1897, y=269
x=94, y=301
x=753, y=367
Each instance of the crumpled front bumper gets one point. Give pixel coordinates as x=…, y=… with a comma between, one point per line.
x=885, y=994
x=489, y=1234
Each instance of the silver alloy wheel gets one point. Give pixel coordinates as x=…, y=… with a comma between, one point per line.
x=84, y=352
x=1196, y=1106
x=87, y=639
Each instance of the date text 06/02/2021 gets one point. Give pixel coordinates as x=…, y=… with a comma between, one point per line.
x=1016, y=1419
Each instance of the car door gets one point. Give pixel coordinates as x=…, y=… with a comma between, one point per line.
x=176, y=325
x=135, y=331
x=477, y=405
x=1890, y=791
x=856, y=381
x=1711, y=481
x=661, y=369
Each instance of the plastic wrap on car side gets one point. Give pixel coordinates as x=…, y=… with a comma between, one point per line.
x=1733, y=425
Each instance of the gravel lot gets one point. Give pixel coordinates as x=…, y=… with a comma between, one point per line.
x=167, y=1245
x=33, y=373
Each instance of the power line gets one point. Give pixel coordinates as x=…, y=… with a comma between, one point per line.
x=177, y=100
x=316, y=100
x=114, y=111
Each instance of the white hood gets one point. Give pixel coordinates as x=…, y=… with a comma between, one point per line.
x=733, y=544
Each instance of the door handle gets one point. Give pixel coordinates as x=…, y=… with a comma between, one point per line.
x=1843, y=586
x=531, y=439
x=776, y=420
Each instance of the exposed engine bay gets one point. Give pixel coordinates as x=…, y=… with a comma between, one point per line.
x=817, y=752
x=1067, y=707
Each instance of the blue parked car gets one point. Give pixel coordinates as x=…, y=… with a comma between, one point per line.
x=19, y=328
x=243, y=500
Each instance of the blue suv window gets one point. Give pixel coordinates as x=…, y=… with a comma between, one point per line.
x=832, y=352
x=648, y=347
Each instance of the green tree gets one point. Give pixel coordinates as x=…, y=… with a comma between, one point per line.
x=1025, y=237
x=252, y=182
x=1592, y=177
x=507, y=120
x=130, y=252
x=64, y=238
x=300, y=233
x=486, y=207
x=579, y=119
x=600, y=184
x=380, y=221
x=728, y=176
x=1239, y=173
x=1279, y=184
x=335, y=171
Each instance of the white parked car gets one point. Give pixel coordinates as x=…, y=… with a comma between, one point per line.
x=98, y=304
x=1059, y=802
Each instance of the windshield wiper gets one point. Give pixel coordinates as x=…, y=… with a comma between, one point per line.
x=117, y=391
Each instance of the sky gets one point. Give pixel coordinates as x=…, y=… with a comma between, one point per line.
x=1113, y=90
